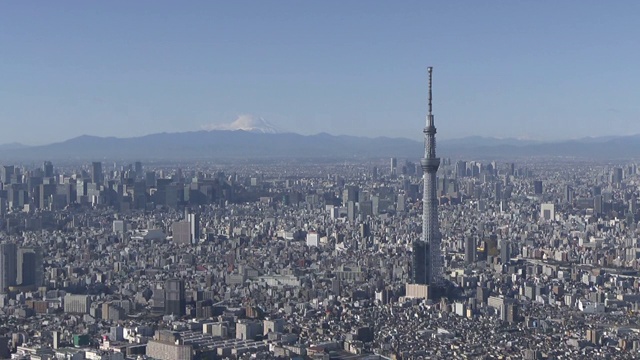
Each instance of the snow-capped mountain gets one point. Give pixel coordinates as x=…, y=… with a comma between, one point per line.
x=247, y=123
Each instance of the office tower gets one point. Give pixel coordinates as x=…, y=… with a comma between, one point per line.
x=274, y=325
x=537, y=187
x=313, y=239
x=374, y=173
x=365, y=230
x=150, y=178
x=137, y=167
x=350, y=193
x=4, y=207
x=494, y=168
x=181, y=232
x=441, y=187
x=365, y=208
x=77, y=304
x=81, y=189
x=139, y=195
x=30, y=266
x=6, y=173
x=119, y=227
x=568, y=194
x=375, y=205
x=547, y=212
x=47, y=169
x=596, y=190
x=427, y=261
x=194, y=227
x=351, y=211
x=616, y=175
x=470, y=249
x=394, y=166
x=96, y=173
x=400, y=203
x=474, y=168
x=248, y=330
x=461, y=169
x=497, y=191
x=175, y=301
x=5, y=347
x=597, y=204
x=45, y=194
x=8, y=266
x=505, y=251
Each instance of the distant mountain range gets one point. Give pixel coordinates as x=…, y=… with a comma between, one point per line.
x=237, y=144
x=12, y=146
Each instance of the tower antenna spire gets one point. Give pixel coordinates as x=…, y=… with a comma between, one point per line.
x=430, y=69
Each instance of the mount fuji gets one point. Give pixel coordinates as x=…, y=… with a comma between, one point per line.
x=248, y=123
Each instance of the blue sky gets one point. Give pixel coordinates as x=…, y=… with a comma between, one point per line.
x=534, y=69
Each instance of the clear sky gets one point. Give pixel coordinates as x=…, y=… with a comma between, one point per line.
x=537, y=69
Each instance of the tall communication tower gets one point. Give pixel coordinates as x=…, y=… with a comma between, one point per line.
x=427, y=258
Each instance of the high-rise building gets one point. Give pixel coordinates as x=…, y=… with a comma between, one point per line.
x=181, y=232
x=537, y=187
x=350, y=193
x=461, y=168
x=96, y=173
x=45, y=194
x=505, y=251
x=138, y=169
x=77, y=304
x=5, y=349
x=47, y=169
x=56, y=340
x=547, y=212
x=394, y=166
x=497, y=191
x=4, y=207
x=194, y=227
x=150, y=178
x=6, y=173
x=470, y=249
x=30, y=266
x=175, y=302
x=616, y=175
x=8, y=266
x=568, y=194
x=597, y=204
x=596, y=190
x=119, y=227
x=427, y=259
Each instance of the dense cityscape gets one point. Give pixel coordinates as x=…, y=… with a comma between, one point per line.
x=253, y=180
x=422, y=258
x=312, y=260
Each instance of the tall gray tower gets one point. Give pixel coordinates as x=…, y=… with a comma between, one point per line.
x=427, y=259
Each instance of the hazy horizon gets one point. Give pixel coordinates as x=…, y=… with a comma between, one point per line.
x=508, y=70
x=417, y=138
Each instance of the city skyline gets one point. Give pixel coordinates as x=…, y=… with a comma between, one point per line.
x=128, y=69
